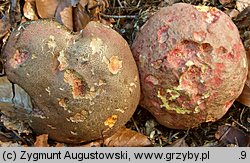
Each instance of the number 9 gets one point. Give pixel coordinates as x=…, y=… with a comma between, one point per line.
x=243, y=154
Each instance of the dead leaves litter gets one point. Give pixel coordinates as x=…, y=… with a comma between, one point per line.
x=74, y=14
x=230, y=135
x=127, y=138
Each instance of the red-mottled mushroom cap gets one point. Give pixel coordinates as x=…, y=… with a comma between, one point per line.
x=192, y=64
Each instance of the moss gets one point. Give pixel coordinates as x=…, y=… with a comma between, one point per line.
x=174, y=94
x=165, y=104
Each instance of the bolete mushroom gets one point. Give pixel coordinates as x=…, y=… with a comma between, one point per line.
x=192, y=64
x=83, y=86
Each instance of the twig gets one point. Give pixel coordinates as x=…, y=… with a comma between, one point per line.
x=137, y=128
x=242, y=126
x=120, y=4
x=7, y=135
x=119, y=16
x=241, y=114
x=22, y=139
x=1, y=68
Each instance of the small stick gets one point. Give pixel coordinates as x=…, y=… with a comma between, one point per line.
x=242, y=126
x=119, y=16
x=137, y=128
x=120, y=4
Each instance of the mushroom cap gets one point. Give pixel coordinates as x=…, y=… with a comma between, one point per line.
x=84, y=86
x=192, y=64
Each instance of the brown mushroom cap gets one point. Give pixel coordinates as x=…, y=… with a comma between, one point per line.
x=84, y=86
x=192, y=64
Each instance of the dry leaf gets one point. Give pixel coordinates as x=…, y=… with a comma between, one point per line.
x=232, y=13
x=223, y=2
x=41, y=141
x=15, y=12
x=60, y=145
x=98, y=6
x=4, y=28
x=242, y=4
x=83, y=2
x=29, y=10
x=127, y=138
x=228, y=135
x=244, y=98
x=47, y=8
x=14, y=101
x=243, y=19
x=64, y=8
x=81, y=17
x=94, y=10
x=66, y=17
x=92, y=144
x=6, y=93
x=15, y=104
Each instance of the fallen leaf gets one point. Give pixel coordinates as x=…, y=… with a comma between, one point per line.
x=12, y=106
x=92, y=144
x=223, y=2
x=228, y=135
x=64, y=8
x=97, y=7
x=243, y=19
x=244, y=98
x=15, y=12
x=127, y=138
x=101, y=5
x=41, y=141
x=29, y=10
x=60, y=145
x=66, y=17
x=6, y=93
x=4, y=28
x=47, y=8
x=82, y=2
x=232, y=13
x=81, y=17
x=14, y=101
x=242, y=4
